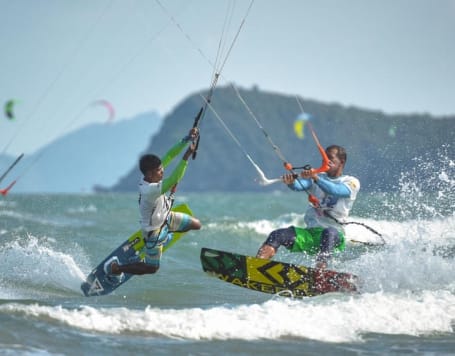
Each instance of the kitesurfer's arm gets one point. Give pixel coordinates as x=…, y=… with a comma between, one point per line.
x=174, y=151
x=337, y=189
x=176, y=175
x=179, y=171
x=296, y=184
x=178, y=147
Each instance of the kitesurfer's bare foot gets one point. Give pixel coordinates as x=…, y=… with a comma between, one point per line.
x=266, y=252
x=115, y=268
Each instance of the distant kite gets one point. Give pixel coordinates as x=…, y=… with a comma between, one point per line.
x=299, y=124
x=392, y=131
x=9, y=106
x=108, y=106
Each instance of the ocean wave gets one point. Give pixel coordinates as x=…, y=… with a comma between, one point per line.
x=328, y=318
x=44, y=220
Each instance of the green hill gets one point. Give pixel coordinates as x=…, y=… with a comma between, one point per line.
x=380, y=147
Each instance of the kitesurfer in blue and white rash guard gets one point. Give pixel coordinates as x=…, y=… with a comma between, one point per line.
x=324, y=232
x=157, y=219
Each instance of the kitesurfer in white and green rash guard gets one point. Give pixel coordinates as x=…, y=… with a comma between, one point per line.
x=157, y=219
x=324, y=231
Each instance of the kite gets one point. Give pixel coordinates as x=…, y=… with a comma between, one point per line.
x=108, y=106
x=299, y=124
x=9, y=105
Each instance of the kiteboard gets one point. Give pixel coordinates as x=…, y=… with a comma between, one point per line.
x=98, y=283
x=275, y=277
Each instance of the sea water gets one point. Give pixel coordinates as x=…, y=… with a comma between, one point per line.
x=49, y=243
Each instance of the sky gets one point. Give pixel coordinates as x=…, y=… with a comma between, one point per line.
x=60, y=56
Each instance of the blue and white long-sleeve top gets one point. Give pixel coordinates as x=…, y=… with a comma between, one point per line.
x=336, y=196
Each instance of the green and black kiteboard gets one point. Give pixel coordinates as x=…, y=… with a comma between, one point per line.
x=275, y=277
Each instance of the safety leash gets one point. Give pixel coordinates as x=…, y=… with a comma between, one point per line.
x=326, y=213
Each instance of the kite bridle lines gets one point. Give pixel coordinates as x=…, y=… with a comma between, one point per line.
x=217, y=74
x=216, y=71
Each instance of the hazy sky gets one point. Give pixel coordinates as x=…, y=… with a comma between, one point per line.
x=58, y=56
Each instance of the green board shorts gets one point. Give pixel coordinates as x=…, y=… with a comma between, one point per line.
x=309, y=240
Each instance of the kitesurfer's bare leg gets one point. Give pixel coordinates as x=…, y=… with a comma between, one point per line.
x=329, y=240
x=194, y=224
x=181, y=222
x=280, y=237
x=133, y=268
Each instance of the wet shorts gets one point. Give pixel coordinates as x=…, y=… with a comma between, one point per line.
x=317, y=239
x=153, y=249
x=309, y=240
x=178, y=221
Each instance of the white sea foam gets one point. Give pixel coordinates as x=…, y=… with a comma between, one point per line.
x=322, y=319
x=31, y=264
x=438, y=230
x=90, y=208
x=8, y=203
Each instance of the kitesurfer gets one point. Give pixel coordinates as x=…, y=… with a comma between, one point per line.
x=157, y=219
x=332, y=195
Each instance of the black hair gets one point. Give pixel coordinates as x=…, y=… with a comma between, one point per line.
x=148, y=162
x=341, y=152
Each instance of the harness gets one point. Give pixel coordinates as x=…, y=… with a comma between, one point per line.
x=152, y=241
x=326, y=213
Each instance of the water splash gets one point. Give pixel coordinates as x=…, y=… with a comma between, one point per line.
x=426, y=190
x=39, y=266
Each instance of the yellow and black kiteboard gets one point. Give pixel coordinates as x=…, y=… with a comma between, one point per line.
x=275, y=277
